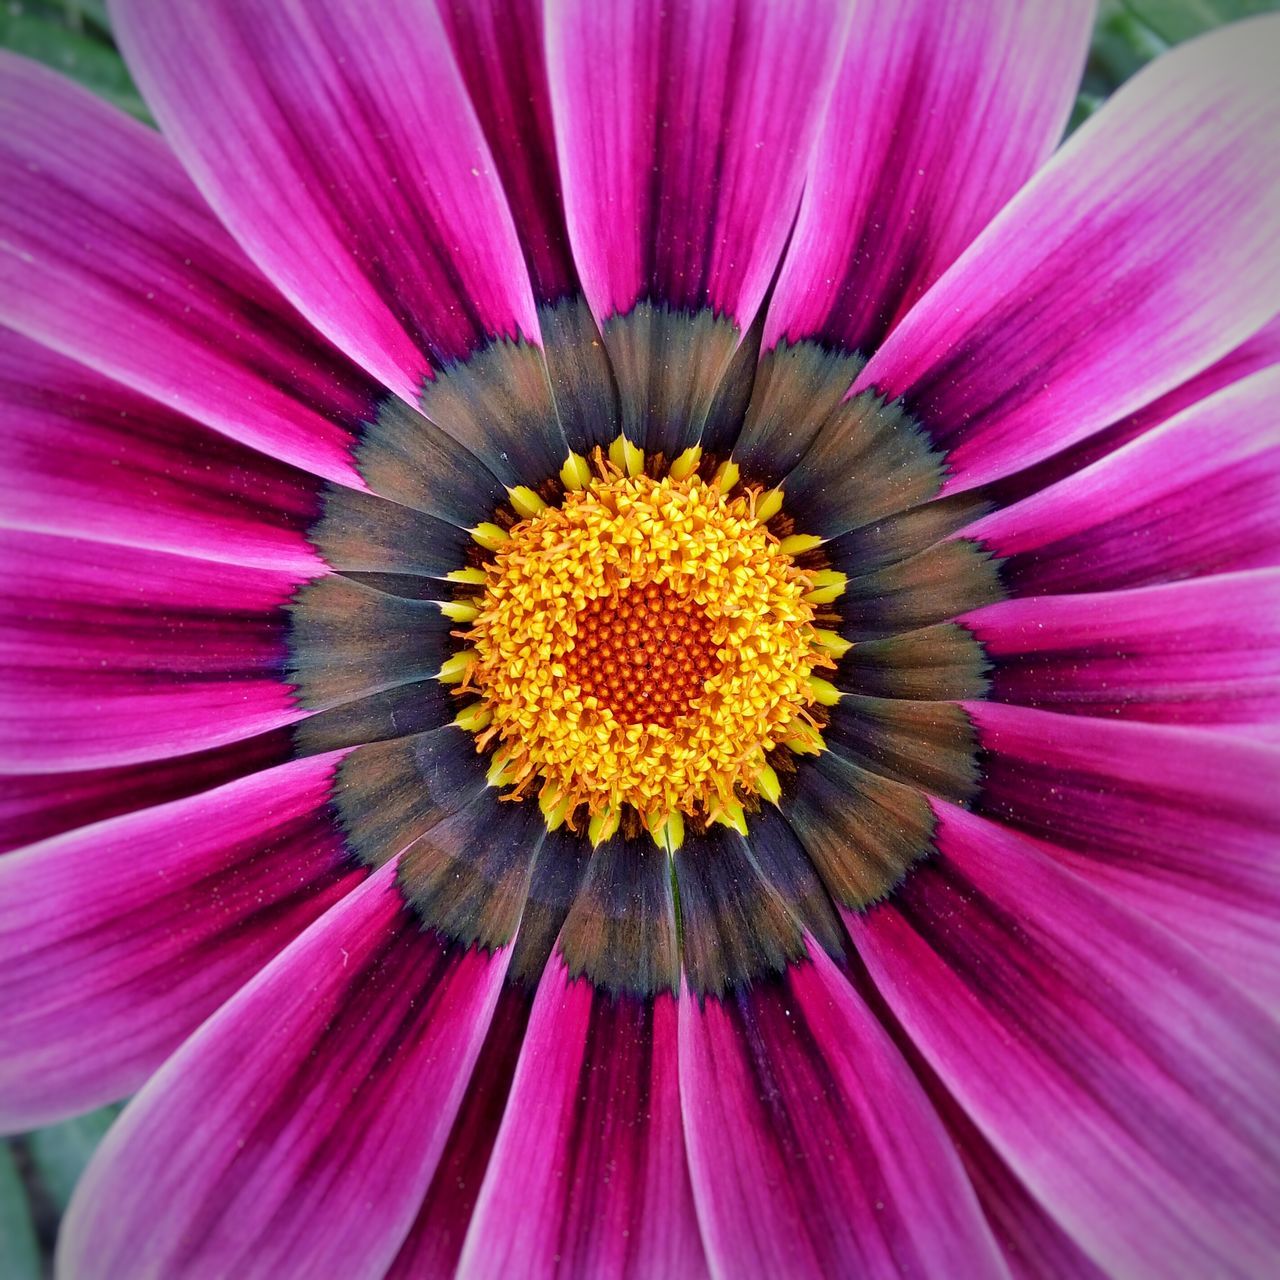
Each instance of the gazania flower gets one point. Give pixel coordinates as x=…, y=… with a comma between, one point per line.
x=642, y=640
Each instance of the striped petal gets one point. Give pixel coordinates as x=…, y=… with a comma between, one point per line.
x=813, y=1149
x=1181, y=825
x=595, y=1089
x=1131, y=1089
x=1204, y=651
x=119, y=939
x=88, y=458
x=1139, y=255
x=338, y=144
x=109, y=256
x=956, y=107
x=349, y=1053
x=1198, y=495
x=113, y=656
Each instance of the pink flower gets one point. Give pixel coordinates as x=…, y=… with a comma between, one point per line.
x=963, y=963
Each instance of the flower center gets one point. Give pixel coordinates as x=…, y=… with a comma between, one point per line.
x=645, y=645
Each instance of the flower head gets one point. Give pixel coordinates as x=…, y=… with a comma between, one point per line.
x=643, y=639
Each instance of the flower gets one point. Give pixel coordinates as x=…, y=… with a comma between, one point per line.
x=643, y=640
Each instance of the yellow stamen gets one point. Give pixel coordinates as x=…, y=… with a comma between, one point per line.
x=454, y=670
x=667, y=830
x=555, y=808
x=646, y=644
x=828, y=585
x=832, y=641
x=604, y=826
x=731, y=815
x=767, y=784
x=726, y=475
x=824, y=692
x=473, y=717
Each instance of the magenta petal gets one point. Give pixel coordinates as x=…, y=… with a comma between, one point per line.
x=595, y=1090
x=1131, y=1089
x=434, y=1243
x=1182, y=825
x=1205, y=651
x=110, y=256
x=499, y=48
x=1254, y=354
x=296, y=1132
x=117, y=940
x=1034, y=1245
x=1140, y=254
x=813, y=1149
x=1198, y=495
x=338, y=144
x=86, y=457
x=36, y=806
x=955, y=107
x=683, y=133
x=111, y=655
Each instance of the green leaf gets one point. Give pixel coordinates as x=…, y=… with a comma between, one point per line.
x=61, y=1152
x=19, y=1249
x=69, y=45
x=1178, y=20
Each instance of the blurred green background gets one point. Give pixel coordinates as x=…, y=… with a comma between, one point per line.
x=38, y=1171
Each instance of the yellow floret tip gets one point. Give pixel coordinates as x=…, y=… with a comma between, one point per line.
x=460, y=610
x=490, y=536
x=627, y=457
x=798, y=543
x=524, y=501
x=768, y=505
x=576, y=472
x=687, y=463
x=454, y=669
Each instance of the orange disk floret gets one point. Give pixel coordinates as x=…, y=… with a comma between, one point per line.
x=645, y=652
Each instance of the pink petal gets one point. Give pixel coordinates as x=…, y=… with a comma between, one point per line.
x=1139, y=255
x=1130, y=1089
x=338, y=144
x=296, y=1132
x=1205, y=651
x=1034, y=1245
x=955, y=107
x=1181, y=825
x=499, y=48
x=111, y=257
x=683, y=134
x=112, y=655
x=1255, y=354
x=88, y=458
x=813, y=1149
x=1198, y=495
x=434, y=1243
x=588, y=1174
x=36, y=806
x=117, y=940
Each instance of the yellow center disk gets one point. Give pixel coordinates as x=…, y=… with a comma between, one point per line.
x=646, y=644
